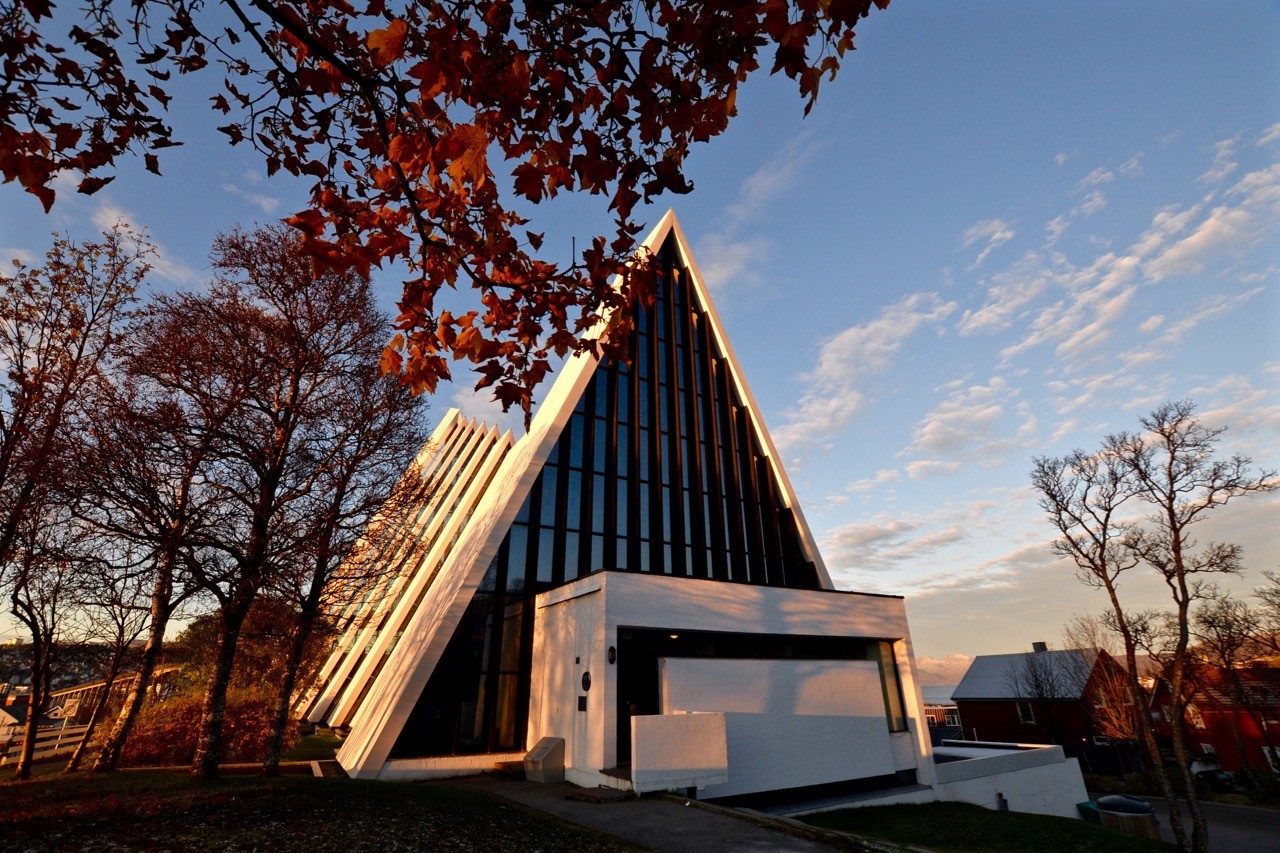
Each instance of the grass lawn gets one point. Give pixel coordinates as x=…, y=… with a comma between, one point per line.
x=313, y=748
x=960, y=827
x=167, y=811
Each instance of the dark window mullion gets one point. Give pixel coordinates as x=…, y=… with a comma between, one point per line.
x=563, y=484
x=610, y=496
x=733, y=514
x=654, y=509
x=752, y=503
x=677, y=535
x=714, y=412
x=721, y=559
x=697, y=536
x=769, y=510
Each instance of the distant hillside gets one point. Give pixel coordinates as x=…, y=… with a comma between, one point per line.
x=947, y=670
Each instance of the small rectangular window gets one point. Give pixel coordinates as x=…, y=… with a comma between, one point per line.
x=1025, y=715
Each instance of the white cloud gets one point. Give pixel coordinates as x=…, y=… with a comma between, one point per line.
x=831, y=397
x=265, y=203
x=879, y=478
x=1100, y=175
x=1092, y=203
x=1150, y=324
x=1252, y=208
x=726, y=256
x=164, y=265
x=481, y=406
x=1053, y=230
x=878, y=544
x=1132, y=166
x=1060, y=158
x=1097, y=297
x=1271, y=134
x=1206, y=309
x=949, y=669
x=1224, y=152
x=1008, y=295
x=923, y=469
x=23, y=256
x=996, y=232
x=971, y=425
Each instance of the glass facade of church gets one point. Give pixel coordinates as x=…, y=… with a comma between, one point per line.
x=658, y=470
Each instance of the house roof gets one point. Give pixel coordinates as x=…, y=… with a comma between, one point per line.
x=1060, y=674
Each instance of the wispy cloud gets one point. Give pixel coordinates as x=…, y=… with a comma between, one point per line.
x=1100, y=175
x=884, y=542
x=23, y=256
x=1132, y=166
x=1224, y=152
x=1053, y=230
x=1251, y=208
x=1060, y=159
x=992, y=233
x=832, y=396
x=1270, y=135
x=729, y=255
x=975, y=423
x=267, y=204
x=163, y=264
x=882, y=477
x=1091, y=204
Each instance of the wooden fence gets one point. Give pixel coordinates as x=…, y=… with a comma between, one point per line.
x=50, y=741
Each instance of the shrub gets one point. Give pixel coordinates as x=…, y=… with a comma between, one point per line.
x=166, y=732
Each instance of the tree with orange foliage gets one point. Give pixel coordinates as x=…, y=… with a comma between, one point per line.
x=401, y=112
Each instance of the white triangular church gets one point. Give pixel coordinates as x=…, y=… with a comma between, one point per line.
x=632, y=580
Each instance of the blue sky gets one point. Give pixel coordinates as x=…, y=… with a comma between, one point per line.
x=1005, y=230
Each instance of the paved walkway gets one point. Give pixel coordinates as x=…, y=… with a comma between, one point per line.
x=658, y=823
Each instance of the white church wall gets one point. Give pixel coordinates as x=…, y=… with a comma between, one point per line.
x=789, y=723
x=672, y=751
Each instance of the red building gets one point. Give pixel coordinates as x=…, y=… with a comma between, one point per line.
x=1073, y=698
x=1232, y=718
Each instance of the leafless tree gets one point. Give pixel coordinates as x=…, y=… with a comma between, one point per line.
x=144, y=477
x=1171, y=467
x=59, y=324
x=1115, y=709
x=47, y=556
x=113, y=599
x=301, y=350
x=1091, y=499
x=1268, y=613
x=369, y=430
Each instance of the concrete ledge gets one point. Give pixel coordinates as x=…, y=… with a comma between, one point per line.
x=443, y=767
x=988, y=762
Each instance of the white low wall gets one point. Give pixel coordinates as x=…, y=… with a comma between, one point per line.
x=789, y=723
x=1041, y=780
x=671, y=751
x=1037, y=781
